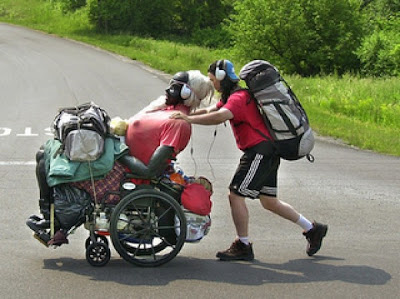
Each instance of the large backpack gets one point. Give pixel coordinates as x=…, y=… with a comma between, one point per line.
x=82, y=131
x=282, y=112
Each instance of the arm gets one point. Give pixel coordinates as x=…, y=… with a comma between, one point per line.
x=157, y=164
x=212, y=118
x=205, y=110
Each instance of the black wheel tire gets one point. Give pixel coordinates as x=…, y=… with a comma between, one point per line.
x=99, y=239
x=144, y=251
x=98, y=254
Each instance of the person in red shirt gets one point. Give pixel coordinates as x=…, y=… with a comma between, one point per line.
x=256, y=175
x=152, y=136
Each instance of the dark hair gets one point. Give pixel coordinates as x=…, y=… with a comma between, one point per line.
x=228, y=87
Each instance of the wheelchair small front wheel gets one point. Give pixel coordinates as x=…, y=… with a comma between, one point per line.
x=99, y=239
x=98, y=254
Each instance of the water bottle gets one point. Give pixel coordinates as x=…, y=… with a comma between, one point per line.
x=102, y=222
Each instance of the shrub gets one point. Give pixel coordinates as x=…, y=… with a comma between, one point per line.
x=212, y=37
x=380, y=51
x=158, y=18
x=70, y=5
x=306, y=37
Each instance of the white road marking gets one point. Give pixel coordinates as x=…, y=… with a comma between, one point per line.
x=13, y=163
x=5, y=132
x=28, y=132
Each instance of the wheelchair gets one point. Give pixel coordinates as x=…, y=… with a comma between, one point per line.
x=147, y=226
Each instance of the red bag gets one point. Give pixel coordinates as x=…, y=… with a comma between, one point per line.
x=197, y=199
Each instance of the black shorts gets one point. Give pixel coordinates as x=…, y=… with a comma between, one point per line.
x=256, y=174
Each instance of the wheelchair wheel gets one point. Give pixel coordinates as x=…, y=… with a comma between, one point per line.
x=148, y=228
x=99, y=239
x=98, y=254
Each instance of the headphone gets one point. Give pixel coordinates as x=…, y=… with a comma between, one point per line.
x=185, y=92
x=182, y=79
x=220, y=72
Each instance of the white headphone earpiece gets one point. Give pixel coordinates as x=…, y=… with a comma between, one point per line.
x=185, y=92
x=220, y=72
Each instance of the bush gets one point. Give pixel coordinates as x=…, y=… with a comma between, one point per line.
x=71, y=5
x=212, y=38
x=158, y=18
x=380, y=54
x=306, y=37
x=110, y=15
x=380, y=49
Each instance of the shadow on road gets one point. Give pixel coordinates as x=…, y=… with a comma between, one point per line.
x=240, y=273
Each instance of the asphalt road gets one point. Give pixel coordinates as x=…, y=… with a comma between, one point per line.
x=355, y=192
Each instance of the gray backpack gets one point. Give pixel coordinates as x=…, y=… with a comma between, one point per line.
x=282, y=112
x=82, y=131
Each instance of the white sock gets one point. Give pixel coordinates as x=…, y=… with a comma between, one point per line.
x=304, y=223
x=244, y=240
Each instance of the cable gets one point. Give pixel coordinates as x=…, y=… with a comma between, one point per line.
x=192, y=156
x=209, y=152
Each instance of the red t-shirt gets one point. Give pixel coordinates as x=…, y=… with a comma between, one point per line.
x=147, y=131
x=246, y=119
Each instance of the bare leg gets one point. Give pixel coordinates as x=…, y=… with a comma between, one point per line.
x=280, y=208
x=240, y=214
x=241, y=248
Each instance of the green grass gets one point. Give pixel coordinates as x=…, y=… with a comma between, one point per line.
x=367, y=100
x=363, y=112
x=167, y=56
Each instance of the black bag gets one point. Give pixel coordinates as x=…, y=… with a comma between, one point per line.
x=82, y=130
x=70, y=205
x=282, y=112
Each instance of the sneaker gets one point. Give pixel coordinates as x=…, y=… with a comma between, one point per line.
x=314, y=237
x=237, y=251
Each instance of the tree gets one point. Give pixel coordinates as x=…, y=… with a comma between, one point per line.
x=380, y=49
x=157, y=18
x=70, y=5
x=307, y=37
